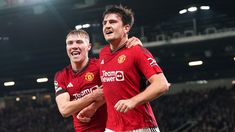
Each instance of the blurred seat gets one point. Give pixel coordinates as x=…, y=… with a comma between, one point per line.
x=188, y=33
x=160, y=37
x=176, y=35
x=143, y=39
x=210, y=30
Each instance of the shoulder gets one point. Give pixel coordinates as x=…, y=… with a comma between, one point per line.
x=94, y=61
x=137, y=50
x=138, y=47
x=140, y=50
x=105, y=49
x=61, y=73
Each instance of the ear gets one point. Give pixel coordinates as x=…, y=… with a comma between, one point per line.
x=127, y=28
x=89, y=46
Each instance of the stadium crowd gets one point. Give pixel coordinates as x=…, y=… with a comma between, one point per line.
x=211, y=110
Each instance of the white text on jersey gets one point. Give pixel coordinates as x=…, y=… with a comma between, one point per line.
x=84, y=92
x=111, y=76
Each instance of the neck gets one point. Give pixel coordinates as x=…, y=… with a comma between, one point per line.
x=79, y=66
x=115, y=44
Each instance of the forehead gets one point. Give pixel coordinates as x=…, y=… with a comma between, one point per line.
x=112, y=16
x=77, y=37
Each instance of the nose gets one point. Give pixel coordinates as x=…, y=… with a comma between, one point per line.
x=74, y=45
x=106, y=27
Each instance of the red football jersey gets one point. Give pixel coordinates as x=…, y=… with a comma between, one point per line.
x=121, y=72
x=79, y=85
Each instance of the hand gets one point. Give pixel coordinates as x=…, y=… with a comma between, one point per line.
x=124, y=105
x=133, y=41
x=97, y=95
x=83, y=119
x=89, y=111
x=85, y=114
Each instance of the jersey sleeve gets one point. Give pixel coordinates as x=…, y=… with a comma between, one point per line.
x=146, y=63
x=59, y=83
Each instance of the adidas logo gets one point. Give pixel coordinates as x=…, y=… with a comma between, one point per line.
x=70, y=85
x=102, y=62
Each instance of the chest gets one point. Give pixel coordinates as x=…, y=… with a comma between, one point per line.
x=118, y=67
x=81, y=84
x=120, y=61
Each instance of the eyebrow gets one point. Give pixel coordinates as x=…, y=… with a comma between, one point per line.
x=78, y=40
x=110, y=20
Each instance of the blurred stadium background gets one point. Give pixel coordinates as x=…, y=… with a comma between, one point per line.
x=193, y=41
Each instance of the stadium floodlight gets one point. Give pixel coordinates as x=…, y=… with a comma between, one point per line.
x=40, y=80
x=10, y=83
x=34, y=97
x=233, y=82
x=17, y=99
x=234, y=58
x=182, y=11
x=86, y=25
x=195, y=63
x=205, y=7
x=192, y=9
x=202, y=81
x=77, y=27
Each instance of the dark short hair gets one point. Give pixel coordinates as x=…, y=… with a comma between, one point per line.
x=126, y=14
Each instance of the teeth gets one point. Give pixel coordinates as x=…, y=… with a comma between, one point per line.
x=75, y=53
x=108, y=32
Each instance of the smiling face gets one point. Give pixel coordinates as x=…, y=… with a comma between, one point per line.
x=77, y=46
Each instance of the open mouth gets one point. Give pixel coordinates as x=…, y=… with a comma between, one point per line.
x=108, y=31
x=73, y=53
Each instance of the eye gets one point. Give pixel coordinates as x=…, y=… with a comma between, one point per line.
x=104, y=22
x=69, y=42
x=79, y=41
x=112, y=21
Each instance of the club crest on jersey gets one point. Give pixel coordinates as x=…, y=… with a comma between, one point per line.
x=121, y=59
x=89, y=76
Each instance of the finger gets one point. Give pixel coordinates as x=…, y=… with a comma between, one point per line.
x=118, y=106
x=79, y=116
x=126, y=109
x=100, y=87
x=123, y=108
x=84, y=119
x=132, y=39
x=129, y=41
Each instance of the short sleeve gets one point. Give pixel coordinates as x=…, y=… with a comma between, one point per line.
x=59, y=83
x=146, y=63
